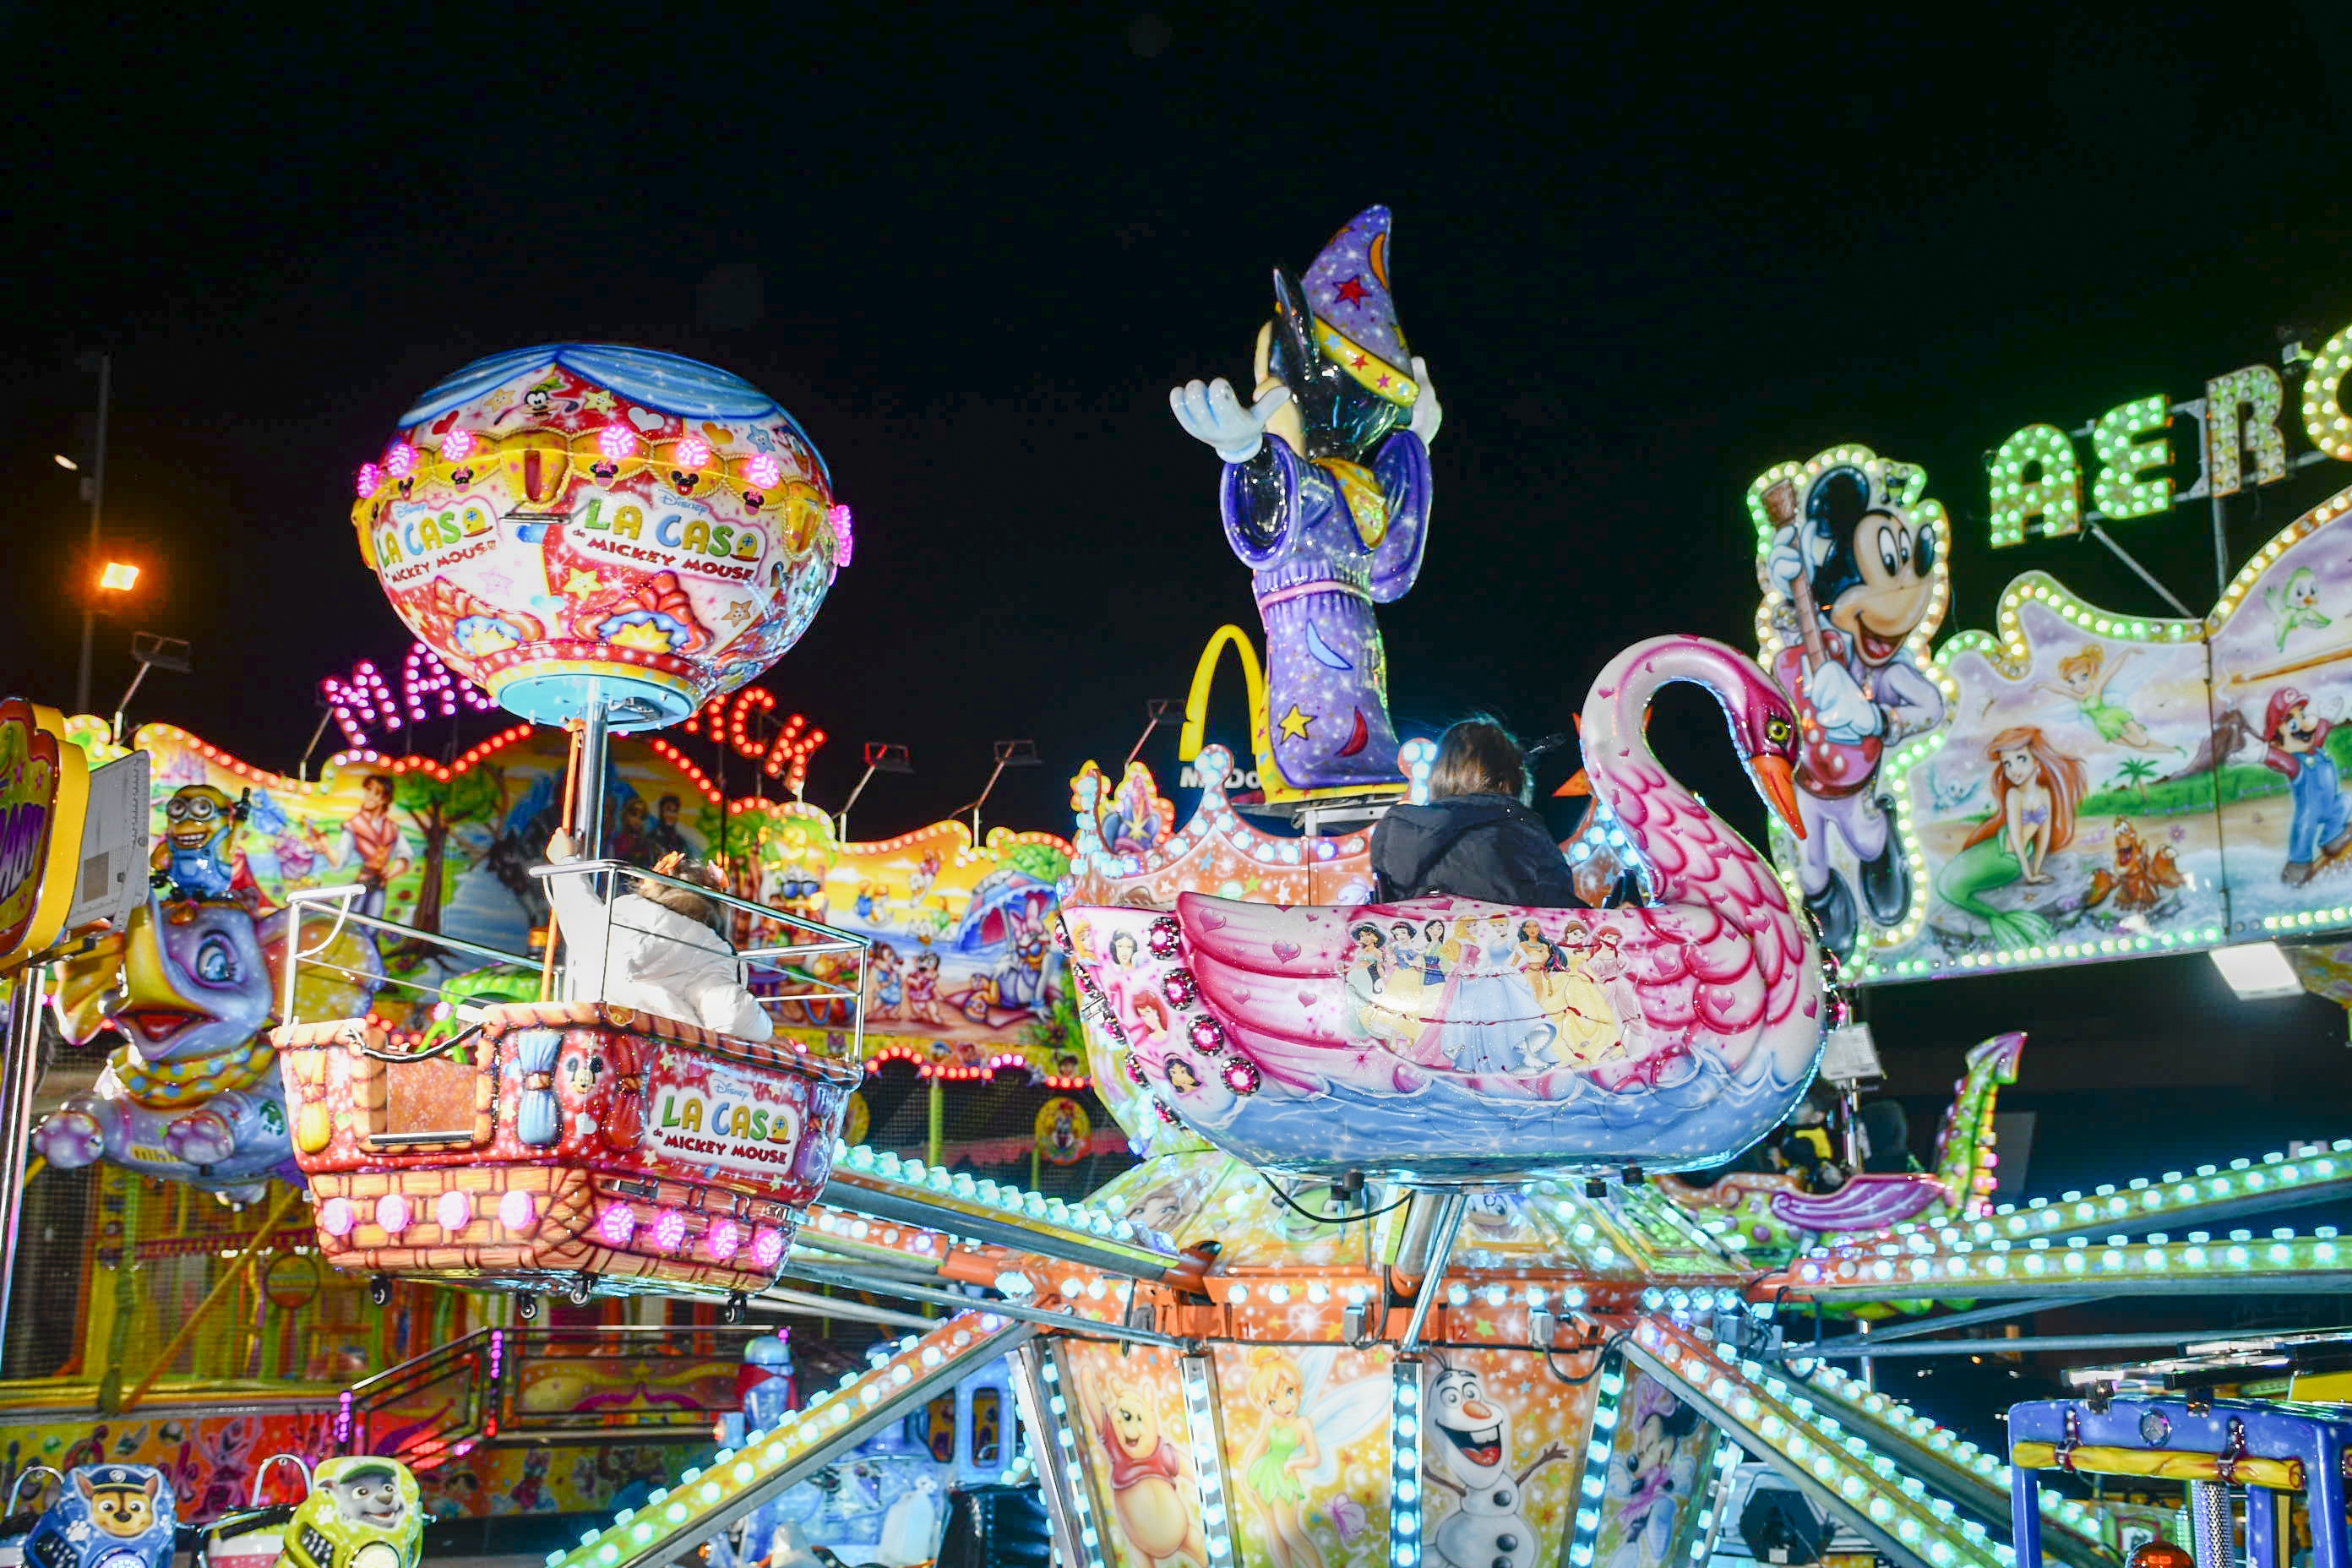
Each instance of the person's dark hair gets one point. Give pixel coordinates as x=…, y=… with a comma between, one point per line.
x=1366, y=929
x=1477, y=757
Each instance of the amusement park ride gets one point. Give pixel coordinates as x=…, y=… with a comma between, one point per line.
x=1426, y=1259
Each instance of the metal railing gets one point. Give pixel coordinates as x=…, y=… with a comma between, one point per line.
x=800, y=973
x=645, y=1385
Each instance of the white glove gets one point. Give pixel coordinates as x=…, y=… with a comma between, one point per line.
x=1846, y=712
x=1427, y=414
x=562, y=848
x=1213, y=415
x=1784, y=565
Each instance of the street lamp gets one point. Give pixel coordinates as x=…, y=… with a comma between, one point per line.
x=118, y=577
x=96, y=487
x=1009, y=755
x=881, y=757
x=152, y=653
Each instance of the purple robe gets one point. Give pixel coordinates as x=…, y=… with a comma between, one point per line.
x=1302, y=531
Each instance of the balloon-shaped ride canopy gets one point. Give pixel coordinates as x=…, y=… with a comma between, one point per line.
x=580, y=526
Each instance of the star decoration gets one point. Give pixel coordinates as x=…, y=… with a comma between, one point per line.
x=1295, y=723
x=1352, y=290
x=583, y=580
x=738, y=614
x=496, y=583
x=599, y=401
x=1360, y=361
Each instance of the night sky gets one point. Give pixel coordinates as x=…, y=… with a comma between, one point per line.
x=1647, y=257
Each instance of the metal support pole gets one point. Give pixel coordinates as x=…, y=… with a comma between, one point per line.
x=1992, y=1314
x=20, y=1068
x=2143, y=574
x=2221, y=550
x=1055, y=1482
x=2212, y=1533
x=1849, y=1349
x=588, y=823
x=1448, y=1224
x=97, y=509
x=302, y=769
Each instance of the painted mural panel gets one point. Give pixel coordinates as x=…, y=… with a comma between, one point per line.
x=2074, y=784
x=1658, y=1477
x=1501, y=1444
x=1306, y=1454
x=1130, y=1409
x=964, y=970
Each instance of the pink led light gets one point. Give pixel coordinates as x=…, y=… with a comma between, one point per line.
x=454, y=1210
x=617, y=442
x=767, y=1246
x=457, y=445
x=392, y=1213
x=764, y=471
x=669, y=1230
x=516, y=1210
x=724, y=1239
x=399, y=460
x=839, y=518
x=618, y=1224
x=371, y=479
x=692, y=452
x=337, y=1216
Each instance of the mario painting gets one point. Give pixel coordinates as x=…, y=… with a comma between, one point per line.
x=1857, y=566
x=2296, y=745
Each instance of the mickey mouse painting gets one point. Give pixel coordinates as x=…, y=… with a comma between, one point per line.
x=1861, y=566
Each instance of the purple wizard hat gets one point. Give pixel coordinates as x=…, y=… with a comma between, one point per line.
x=1355, y=316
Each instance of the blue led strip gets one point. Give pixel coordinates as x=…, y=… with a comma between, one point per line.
x=1208, y=1459
x=1404, y=1464
x=1596, y=1462
x=1065, y=1432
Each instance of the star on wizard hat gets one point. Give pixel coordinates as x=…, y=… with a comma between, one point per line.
x=1355, y=316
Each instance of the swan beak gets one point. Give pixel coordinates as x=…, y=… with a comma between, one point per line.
x=1777, y=782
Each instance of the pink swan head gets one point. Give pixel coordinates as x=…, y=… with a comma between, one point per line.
x=1765, y=731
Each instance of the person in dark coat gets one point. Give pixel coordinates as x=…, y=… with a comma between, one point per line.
x=1476, y=838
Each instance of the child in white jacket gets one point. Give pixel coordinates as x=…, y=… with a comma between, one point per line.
x=664, y=958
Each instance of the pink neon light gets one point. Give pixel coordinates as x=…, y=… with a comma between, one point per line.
x=617, y=442
x=619, y=1223
x=767, y=1246
x=692, y=452
x=454, y=1210
x=764, y=471
x=839, y=518
x=724, y=1239
x=516, y=1209
x=392, y=1213
x=337, y=1216
x=669, y=1230
x=371, y=479
x=400, y=461
x=455, y=445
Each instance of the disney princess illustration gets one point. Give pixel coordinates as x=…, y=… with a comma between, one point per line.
x=1584, y=1025
x=2083, y=680
x=2037, y=791
x=1491, y=1021
x=1293, y=1457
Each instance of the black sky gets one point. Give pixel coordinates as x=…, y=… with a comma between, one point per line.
x=1647, y=256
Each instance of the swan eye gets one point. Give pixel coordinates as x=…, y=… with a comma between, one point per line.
x=1776, y=731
